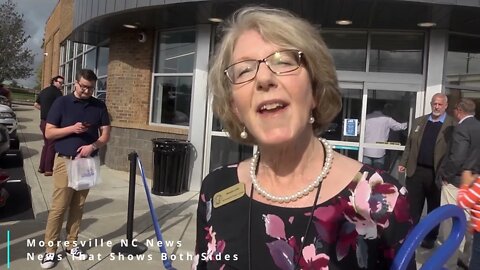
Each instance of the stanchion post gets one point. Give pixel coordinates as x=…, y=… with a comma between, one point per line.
x=130, y=247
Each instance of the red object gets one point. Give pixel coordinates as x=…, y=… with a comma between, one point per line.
x=3, y=177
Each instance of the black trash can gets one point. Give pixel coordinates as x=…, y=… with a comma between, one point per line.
x=171, y=166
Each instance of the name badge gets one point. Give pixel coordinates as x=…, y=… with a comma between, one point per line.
x=228, y=195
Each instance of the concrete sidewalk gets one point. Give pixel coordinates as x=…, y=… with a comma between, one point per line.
x=104, y=221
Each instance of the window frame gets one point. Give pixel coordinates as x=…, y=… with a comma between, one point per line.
x=64, y=69
x=163, y=74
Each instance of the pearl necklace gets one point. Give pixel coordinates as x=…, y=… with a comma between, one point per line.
x=285, y=199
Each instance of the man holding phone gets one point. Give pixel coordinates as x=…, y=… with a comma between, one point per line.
x=80, y=125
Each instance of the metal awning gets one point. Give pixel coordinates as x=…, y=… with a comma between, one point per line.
x=449, y=15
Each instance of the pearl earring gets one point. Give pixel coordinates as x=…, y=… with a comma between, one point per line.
x=311, y=120
x=243, y=134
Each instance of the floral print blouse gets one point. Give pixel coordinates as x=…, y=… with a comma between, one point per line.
x=360, y=228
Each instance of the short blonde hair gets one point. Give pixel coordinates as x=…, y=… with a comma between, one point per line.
x=287, y=31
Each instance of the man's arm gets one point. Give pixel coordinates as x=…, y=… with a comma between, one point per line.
x=396, y=126
x=469, y=193
x=53, y=132
x=104, y=136
x=457, y=155
x=403, y=160
x=406, y=151
x=87, y=150
x=37, y=101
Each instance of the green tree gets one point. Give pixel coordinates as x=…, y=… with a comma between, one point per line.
x=38, y=76
x=15, y=59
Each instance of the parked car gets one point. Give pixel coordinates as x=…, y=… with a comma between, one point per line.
x=4, y=101
x=4, y=140
x=4, y=177
x=9, y=120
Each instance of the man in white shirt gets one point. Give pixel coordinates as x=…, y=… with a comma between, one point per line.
x=377, y=129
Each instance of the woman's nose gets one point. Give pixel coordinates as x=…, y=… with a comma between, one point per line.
x=265, y=78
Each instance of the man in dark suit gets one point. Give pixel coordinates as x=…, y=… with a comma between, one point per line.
x=465, y=140
x=466, y=137
x=426, y=146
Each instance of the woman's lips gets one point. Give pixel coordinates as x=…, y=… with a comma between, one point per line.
x=271, y=107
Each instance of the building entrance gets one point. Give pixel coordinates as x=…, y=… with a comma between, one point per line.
x=355, y=132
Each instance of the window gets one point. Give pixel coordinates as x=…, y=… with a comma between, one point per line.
x=69, y=78
x=348, y=49
x=172, y=87
x=86, y=56
x=78, y=64
x=461, y=70
x=101, y=92
x=397, y=52
x=102, y=61
x=463, y=61
x=79, y=48
x=70, y=50
x=90, y=59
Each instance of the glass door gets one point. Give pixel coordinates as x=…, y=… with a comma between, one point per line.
x=344, y=132
x=223, y=150
x=373, y=124
x=219, y=148
x=389, y=112
x=348, y=132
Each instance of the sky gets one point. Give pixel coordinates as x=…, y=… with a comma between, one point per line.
x=35, y=14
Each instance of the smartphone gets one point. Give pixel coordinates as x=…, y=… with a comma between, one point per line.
x=86, y=124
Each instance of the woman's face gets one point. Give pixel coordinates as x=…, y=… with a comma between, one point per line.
x=274, y=108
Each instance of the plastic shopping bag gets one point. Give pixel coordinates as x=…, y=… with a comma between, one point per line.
x=83, y=173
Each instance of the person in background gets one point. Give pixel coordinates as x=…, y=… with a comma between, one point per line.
x=469, y=199
x=296, y=204
x=426, y=146
x=465, y=140
x=43, y=103
x=377, y=129
x=80, y=124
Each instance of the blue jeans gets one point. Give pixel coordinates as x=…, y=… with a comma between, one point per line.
x=374, y=162
x=475, y=257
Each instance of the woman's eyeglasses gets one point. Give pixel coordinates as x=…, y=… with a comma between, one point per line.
x=280, y=62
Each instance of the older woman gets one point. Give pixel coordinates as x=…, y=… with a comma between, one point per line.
x=296, y=203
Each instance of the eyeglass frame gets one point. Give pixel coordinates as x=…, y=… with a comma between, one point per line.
x=264, y=60
x=83, y=88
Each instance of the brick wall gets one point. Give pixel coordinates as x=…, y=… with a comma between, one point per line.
x=125, y=140
x=128, y=101
x=59, y=25
x=129, y=76
x=128, y=92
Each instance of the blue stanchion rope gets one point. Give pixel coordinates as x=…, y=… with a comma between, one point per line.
x=167, y=263
x=442, y=253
